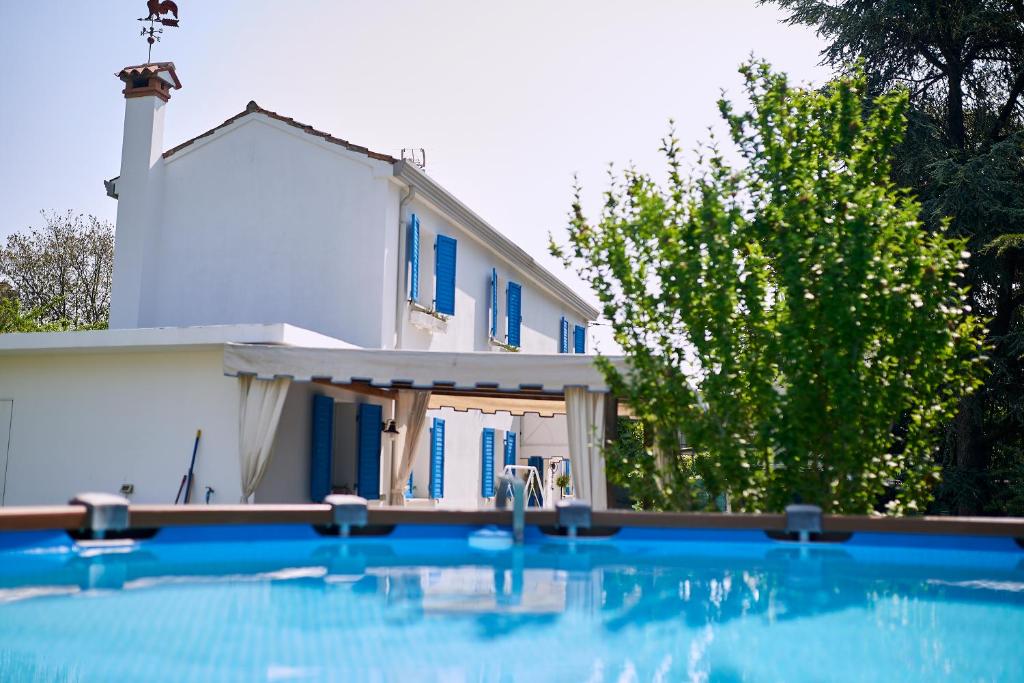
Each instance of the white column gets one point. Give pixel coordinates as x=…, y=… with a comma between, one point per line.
x=140, y=195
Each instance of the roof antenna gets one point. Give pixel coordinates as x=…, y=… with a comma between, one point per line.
x=157, y=8
x=416, y=156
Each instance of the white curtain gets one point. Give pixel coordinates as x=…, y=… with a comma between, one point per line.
x=584, y=412
x=258, y=414
x=410, y=414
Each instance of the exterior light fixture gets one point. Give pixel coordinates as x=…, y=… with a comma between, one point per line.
x=389, y=429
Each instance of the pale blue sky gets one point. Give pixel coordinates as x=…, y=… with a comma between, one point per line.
x=509, y=99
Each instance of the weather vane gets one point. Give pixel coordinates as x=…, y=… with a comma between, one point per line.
x=156, y=9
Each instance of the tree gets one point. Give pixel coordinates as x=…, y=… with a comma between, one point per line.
x=962, y=62
x=63, y=271
x=790, y=317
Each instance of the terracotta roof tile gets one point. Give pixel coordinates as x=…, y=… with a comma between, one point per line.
x=149, y=70
x=253, y=108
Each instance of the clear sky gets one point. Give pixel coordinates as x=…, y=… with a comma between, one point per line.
x=509, y=99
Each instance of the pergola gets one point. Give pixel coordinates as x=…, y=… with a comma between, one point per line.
x=419, y=380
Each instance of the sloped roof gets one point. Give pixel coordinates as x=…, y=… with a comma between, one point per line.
x=253, y=108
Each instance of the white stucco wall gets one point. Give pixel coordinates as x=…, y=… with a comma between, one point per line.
x=468, y=329
x=95, y=421
x=140, y=187
x=262, y=222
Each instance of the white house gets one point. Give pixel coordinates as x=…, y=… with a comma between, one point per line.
x=266, y=231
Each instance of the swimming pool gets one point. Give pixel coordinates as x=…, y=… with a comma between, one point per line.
x=281, y=602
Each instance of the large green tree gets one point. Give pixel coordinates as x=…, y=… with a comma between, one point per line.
x=962, y=63
x=789, y=317
x=62, y=271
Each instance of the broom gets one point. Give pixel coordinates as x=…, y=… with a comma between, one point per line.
x=186, y=479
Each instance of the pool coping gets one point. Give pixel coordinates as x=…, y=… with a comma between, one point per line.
x=73, y=517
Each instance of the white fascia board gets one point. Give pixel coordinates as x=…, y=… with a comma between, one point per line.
x=466, y=370
x=165, y=338
x=429, y=191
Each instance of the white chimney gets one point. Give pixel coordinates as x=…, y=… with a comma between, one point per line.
x=147, y=89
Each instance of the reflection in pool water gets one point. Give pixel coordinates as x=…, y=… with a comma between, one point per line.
x=311, y=608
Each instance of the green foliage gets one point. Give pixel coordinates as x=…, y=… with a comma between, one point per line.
x=14, y=319
x=63, y=269
x=962, y=62
x=630, y=465
x=789, y=317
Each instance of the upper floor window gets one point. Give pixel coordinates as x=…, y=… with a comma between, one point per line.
x=579, y=339
x=444, y=275
x=514, y=310
x=414, y=258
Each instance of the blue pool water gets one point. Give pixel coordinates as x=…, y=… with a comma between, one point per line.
x=285, y=604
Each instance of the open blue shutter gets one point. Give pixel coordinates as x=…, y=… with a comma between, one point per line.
x=494, y=303
x=437, y=459
x=368, y=476
x=579, y=339
x=414, y=258
x=487, y=463
x=510, y=448
x=323, y=448
x=514, y=307
x=563, y=336
x=444, y=275
x=568, y=472
x=408, y=488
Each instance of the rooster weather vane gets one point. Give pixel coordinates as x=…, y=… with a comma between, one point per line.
x=157, y=8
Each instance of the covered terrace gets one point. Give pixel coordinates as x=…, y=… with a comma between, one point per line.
x=417, y=381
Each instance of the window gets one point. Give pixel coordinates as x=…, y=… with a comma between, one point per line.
x=510, y=448
x=493, y=325
x=323, y=448
x=514, y=309
x=579, y=339
x=487, y=464
x=370, y=417
x=437, y=459
x=444, y=275
x=413, y=249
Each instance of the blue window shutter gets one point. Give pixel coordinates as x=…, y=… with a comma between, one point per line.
x=579, y=339
x=444, y=275
x=510, y=448
x=437, y=459
x=414, y=258
x=323, y=448
x=487, y=463
x=368, y=475
x=408, y=488
x=494, y=303
x=563, y=336
x=514, y=307
x=568, y=472
x=536, y=499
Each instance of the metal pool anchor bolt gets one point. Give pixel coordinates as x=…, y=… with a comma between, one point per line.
x=347, y=511
x=104, y=512
x=573, y=515
x=803, y=520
